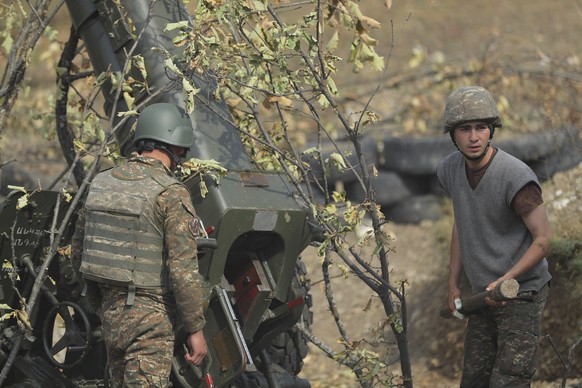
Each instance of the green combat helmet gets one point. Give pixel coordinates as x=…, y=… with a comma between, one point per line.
x=471, y=103
x=166, y=123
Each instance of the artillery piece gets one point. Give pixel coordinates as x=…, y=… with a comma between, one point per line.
x=257, y=231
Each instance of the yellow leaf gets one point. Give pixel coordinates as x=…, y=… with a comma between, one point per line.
x=338, y=161
x=371, y=22
x=338, y=197
x=172, y=66
x=22, y=202
x=7, y=316
x=283, y=101
x=368, y=40
x=502, y=103
x=203, y=189
x=330, y=209
x=67, y=196
x=128, y=100
x=23, y=318
x=65, y=251
x=128, y=113
x=79, y=145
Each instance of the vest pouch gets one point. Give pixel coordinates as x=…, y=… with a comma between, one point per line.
x=106, y=274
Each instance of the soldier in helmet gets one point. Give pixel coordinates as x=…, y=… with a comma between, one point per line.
x=501, y=231
x=138, y=234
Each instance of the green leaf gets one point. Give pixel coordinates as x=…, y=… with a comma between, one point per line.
x=169, y=63
x=191, y=92
x=333, y=42
x=176, y=26
x=7, y=43
x=128, y=100
x=337, y=161
x=203, y=189
x=140, y=64
x=331, y=86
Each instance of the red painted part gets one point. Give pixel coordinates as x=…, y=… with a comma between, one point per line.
x=246, y=290
x=296, y=302
x=209, y=381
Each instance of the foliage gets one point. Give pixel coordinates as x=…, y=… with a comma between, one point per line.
x=275, y=72
x=567, y=255
x=22, y=29
x=201, y=169
x=267, y=67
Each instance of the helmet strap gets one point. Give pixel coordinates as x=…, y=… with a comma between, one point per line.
x=175, y=158
x=148, y=145
x=475, y=158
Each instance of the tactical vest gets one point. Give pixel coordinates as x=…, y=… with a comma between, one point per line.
x=124, y=245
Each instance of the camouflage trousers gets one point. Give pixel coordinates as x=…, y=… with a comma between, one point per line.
x=139, y=340
x=501, y=343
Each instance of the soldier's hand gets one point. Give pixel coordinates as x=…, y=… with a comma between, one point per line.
x=494, y=303
x=454, y=294
x=197, y=348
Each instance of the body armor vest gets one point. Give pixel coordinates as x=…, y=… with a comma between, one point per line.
x=124, y=244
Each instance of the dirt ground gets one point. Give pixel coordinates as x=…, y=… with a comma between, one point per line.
x=412, y=260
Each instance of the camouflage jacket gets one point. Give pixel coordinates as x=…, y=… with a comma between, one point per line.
x=175, y=212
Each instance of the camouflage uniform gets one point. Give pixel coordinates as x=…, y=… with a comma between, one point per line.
x=140, y=337
x=501, y=343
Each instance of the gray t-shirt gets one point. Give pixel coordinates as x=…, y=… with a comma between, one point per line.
x=492, y=236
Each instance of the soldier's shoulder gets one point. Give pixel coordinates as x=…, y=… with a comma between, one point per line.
x=162, y=178
x=176, y=191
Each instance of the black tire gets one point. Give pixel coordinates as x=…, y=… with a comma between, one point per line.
x=415, y=156
x=416, y=209
x=289, y=349
x=420, y=156
x=390, y=188
x=539, y=146
x=569, y=157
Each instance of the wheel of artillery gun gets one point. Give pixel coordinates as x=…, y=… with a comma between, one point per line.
x=284, y=356
x=289, y=348
x=66, y=335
